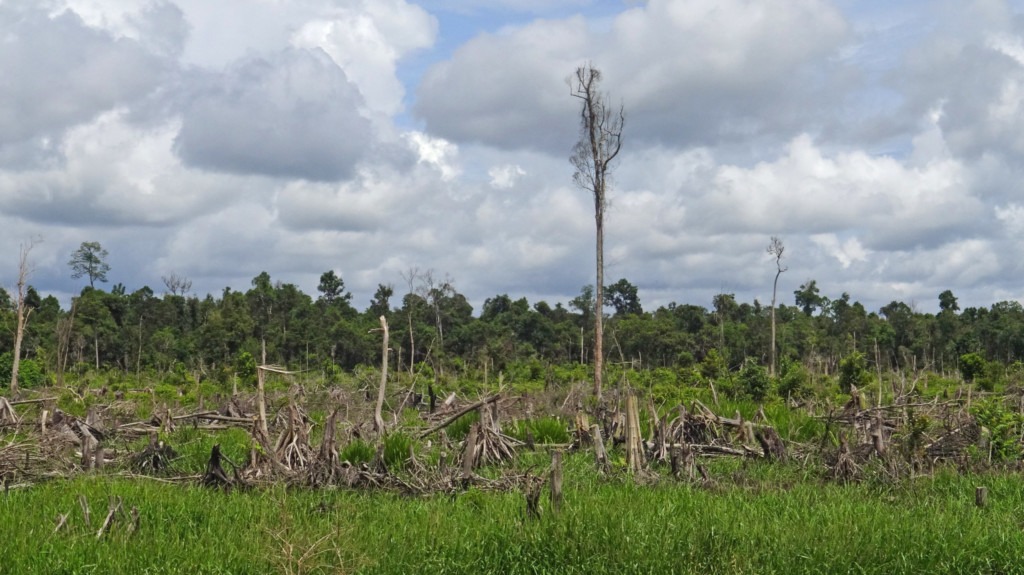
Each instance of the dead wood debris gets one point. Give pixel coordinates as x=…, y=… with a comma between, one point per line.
x=156, y=459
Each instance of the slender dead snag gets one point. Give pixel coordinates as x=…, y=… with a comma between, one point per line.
x=599, y=144
x=775, y=248
x=64, y=328
x=23, y=312
x=378, y=420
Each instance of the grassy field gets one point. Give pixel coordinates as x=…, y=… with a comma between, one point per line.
x=756, y=517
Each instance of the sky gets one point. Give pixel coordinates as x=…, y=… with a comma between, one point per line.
x=881, y=141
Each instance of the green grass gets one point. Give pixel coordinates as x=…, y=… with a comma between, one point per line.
x=758, y=518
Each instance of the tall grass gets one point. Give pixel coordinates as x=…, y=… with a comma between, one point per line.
x=759, y=518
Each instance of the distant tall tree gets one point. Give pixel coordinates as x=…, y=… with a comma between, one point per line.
x=411, y=277
x=584, y=303
x=177, y=285
x=947, y=302
x=809, y=298
x=622, y=296
x=775, y=249
x=87, y=260
x=381, y=302
x=599, y=144
x=22, y=310
x=261, y=304
x=332, y=288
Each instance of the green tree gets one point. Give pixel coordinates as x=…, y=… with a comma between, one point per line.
x=381, y=302
x=808, y=297
x=622, y=296
x=88, y=261
x=947, y=302
x=332, y=289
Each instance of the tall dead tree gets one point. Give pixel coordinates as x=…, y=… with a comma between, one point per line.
x=599, y=144
x=23, y=311
x=775, y=248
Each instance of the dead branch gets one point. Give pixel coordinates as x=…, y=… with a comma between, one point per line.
x=112, y=508
x=459, y=414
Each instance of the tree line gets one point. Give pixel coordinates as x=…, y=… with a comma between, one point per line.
x=435, y=328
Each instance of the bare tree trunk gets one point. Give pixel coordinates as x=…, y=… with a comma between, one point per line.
x=64, y=327
x=775, y=248
x=599, y=307
x=378, y=419
x=634, y=454
x=599, y=144
x=23, y=312
x=261, y=399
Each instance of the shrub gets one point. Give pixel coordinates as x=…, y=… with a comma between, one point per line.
x=1004, y=428
x=971, y=366
x=245, y=368
x=30, y=373
x=853, y=370
x=753, y=381
x=794, y=381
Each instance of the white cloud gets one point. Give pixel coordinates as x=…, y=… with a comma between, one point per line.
x=367, y=40
x=845, y=252
x=436, y=152
x=883, y=144
x=744, y=73
x=293, y=114
x=505, y=176
x=115, y=173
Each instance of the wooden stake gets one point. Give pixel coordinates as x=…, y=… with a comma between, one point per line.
x=469, y=454
x=980, y=496
x=378, y=420
x=532, y=489
x=634, y=456
x=556, y=481
x=261, y=400
x=600, y=457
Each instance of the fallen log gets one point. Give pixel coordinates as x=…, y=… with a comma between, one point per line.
x=459, y=414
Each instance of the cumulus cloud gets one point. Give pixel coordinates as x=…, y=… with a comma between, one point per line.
x=292, y=114
x=893, y=205
x=59, y=72
x=112, y=173
x=735, y=70
x=366, y=40
x=882, y=144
